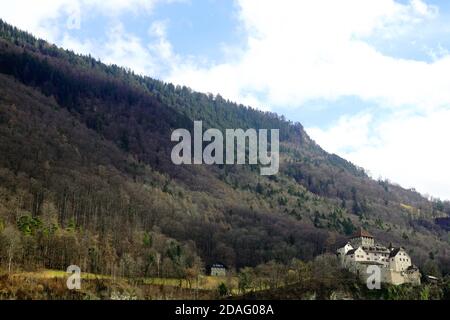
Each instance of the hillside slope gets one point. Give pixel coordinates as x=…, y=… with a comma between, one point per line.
x=86, y=178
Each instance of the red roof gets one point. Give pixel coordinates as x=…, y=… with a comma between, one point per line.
x=361, y=233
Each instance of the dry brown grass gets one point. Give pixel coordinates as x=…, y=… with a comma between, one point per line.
x=51, y=285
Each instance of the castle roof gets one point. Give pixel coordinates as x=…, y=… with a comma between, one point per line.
x=361, y=233
x=394, y=252
x=376, y=249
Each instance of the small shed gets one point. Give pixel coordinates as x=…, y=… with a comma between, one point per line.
x=218, y=270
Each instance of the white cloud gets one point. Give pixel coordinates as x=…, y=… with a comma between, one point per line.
x=423, y=9
x=407, y=148
x=302, y=50
x=113, y=7
x=43, y=19
x=33, y=16
x=40, y=17
x=348, y=134
x=160, y=47
x=125, y=49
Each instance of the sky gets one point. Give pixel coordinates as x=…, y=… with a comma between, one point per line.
x=368, y=79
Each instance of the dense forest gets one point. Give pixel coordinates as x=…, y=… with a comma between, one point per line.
x=86, y=179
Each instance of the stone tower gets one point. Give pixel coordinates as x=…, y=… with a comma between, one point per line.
x=362, y=238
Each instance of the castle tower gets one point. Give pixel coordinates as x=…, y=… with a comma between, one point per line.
x=362, y=238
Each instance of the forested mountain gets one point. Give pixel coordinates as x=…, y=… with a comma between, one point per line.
x=86, y=178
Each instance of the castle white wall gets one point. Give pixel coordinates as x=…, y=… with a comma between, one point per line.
x=401, y=262
x=394, y=270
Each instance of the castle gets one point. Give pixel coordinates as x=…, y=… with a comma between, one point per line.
x=395, y=264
